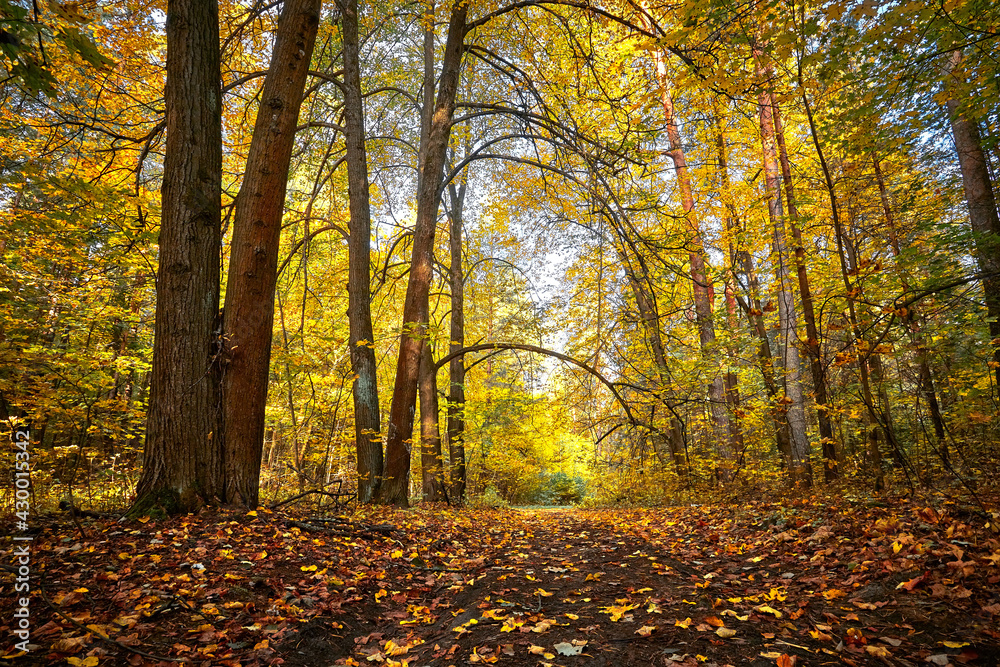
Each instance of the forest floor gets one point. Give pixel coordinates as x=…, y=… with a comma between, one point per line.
x=820, y=581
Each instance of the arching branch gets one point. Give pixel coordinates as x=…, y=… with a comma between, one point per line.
x=549, y=353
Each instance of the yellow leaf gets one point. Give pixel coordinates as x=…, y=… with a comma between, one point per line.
x=686, y=623
x=544, y=593
x=765, y=609
x=726, y=633
x=951, y=644
x=262, y=644
x=646, y=630
x=89, y=661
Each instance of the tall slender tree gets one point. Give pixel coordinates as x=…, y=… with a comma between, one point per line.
x=980, y=199
x=367, y=417
x=800, y=471
x=812, y=344
x=456, y=367
x=399, y=434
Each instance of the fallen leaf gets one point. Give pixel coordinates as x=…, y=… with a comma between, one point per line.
x=565, y=648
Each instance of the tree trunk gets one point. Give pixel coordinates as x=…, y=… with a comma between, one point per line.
x=866, y=393
x=701, y=288
x=182, y=462
x=982, y=204
x=248, y=316
x=910, y=319
x=431, y=462
x=788, y=353
x=812, y=346
x=367, y=418
x=456, y=369
x=650, y=324
x=742, y=260
x=399, y=436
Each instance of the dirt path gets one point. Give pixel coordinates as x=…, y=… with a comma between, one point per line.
x=566, y=587
x=822, y=582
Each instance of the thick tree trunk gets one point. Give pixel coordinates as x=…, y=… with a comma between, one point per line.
x=399, y=436
x=456, y=369
x=799, y=467
x=982, y=204
x=701, y=288
x=816, y=367
x=367, y=418
x=431, y=462
x=248, y=316
x=182, y=462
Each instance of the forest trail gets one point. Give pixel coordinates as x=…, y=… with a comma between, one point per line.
x=687, y=586
x=759, y=584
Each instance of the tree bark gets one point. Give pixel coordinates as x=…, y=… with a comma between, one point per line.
x=817, y=370
x=456, y=369
x=799, y=466
x=399, y=436
x=701, y=288
x=742, y=261
x=367, y=418
x=981, y=201
x=253, y=266
x=182, y=462
x=431, y=461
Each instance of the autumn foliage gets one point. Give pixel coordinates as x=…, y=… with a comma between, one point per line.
x=813, y=581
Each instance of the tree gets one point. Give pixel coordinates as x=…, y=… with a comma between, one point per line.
x=182, y=462
x=248, y=320
x=980, y=199
x=456, y=368
x=395, y=487
x=367, y=418
x=788, y=354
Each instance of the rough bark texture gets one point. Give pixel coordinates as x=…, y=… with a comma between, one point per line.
x=799, y=468
x=456, y=369
x=982, y=204
x=182, y=463
x=816, y=367
x=700, y=286
x=253, y=266
x=399, y=434
x=367, y=418
x=431, y=461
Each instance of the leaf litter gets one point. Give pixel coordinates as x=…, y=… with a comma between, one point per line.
x=819, y=581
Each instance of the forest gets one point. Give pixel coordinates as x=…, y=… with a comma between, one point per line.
x=687, y=276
